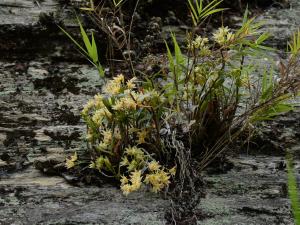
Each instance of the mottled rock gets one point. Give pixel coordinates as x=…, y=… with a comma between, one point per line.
x=32, y=198
x=40, y=103
x=281, y=23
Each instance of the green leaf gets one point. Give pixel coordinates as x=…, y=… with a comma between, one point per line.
x=267, y=85
x=293, y=190
x=262, y=38
x=281, y=108
x=170, y=58
x=199, y=5
x=85, y=39
x=108, y=105
x=211, y=5
x=94, y=52
x=294, y=44
x=193, y=11
x=245, y=17
x=117, y=3
x=100, y=70
x=199, y=13
x=212, y=12
x=178, y=55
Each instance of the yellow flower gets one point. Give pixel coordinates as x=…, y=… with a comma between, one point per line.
x=223, y=35
x=153, y=97
x=105, y=112
x=124, y=180
x=153, y=179
x=132, y=165
x=70, y=163
x=164, y=178
x=132, y=130
x=172, y=171
x=131, y=83
x=118, y=105
x=87, y=107
x=151, y=94
x=127, y=188
x=125, y=103
x=154, y=166
x=98, y=101
x=134, y=151
x=92, y=165
x=199, y=42
x=124, y=162
x=230, y=36
x=99, y=163
x=107, y=136
x=103, y=146
x=135, y=180
x=74, y=157
x=107, y=164
x=112, y=88
x=119, y=79
x=142, y=135
x=158, y=180
x=137, y=158
x=97, y=117
x=138, y=97
x=100, y=114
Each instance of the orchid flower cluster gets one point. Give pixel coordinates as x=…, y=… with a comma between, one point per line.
x=121, y=124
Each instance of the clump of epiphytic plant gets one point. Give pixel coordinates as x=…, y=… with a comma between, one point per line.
x=149, y=129
x=123, y=134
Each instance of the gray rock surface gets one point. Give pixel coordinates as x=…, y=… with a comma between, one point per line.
x=40, y=101
x=29, y=197
x=282, y=23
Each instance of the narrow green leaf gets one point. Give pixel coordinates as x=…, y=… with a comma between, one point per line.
x=199, y=5
x=100, y=70
x=293, y=191
x=245, y=17
x=193, y=12
x=212, y=5
x=94, y=51
x=73, y=40
x=85, y=39
x=178, y=55
x=262, y=38
x=212, y=12
x=170, y=57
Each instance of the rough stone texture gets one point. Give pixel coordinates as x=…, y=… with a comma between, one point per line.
x=282, y=23
x=29, y=197
x=40, y=101
x=253, y=192
x=28, y=30
x=15, y=12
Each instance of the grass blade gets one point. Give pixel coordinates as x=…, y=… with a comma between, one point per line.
x=94, y=52
x=85, y=39
x=293, y=190
x=73, y=40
